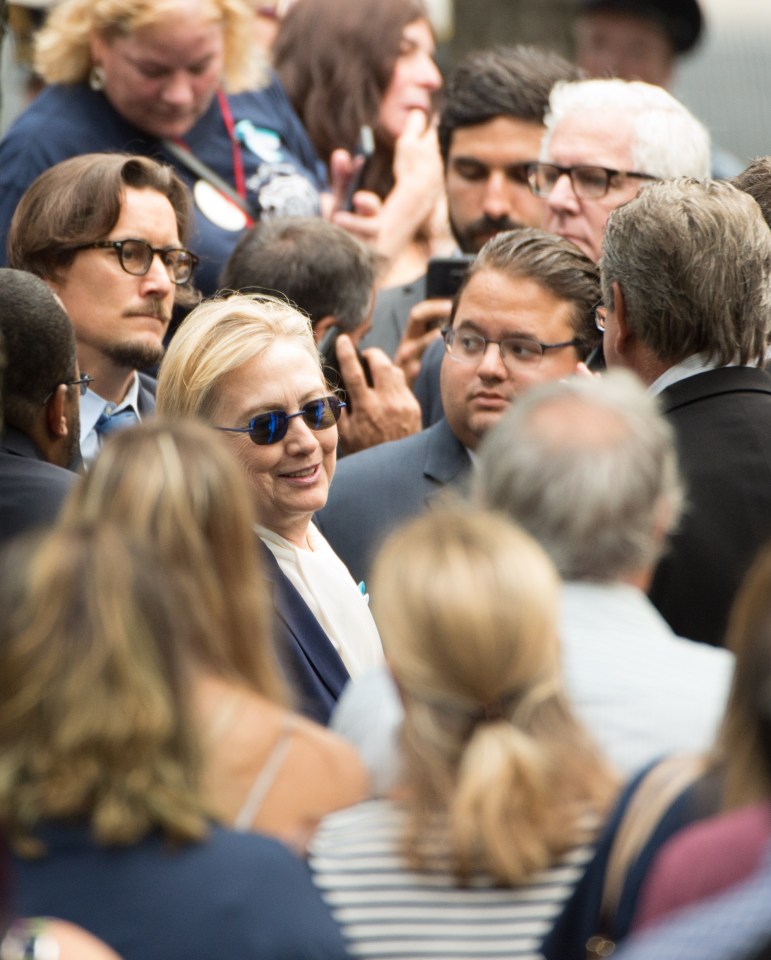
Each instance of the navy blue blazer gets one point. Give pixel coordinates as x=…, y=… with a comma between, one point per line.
x=722, y=423
x=375, y=490
x=314, y=669
x=31, y=489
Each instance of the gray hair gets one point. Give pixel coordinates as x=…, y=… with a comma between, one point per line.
x=668, y=141
x=588, y=467
x=693, y=260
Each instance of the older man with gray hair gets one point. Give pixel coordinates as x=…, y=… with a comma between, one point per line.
x=686, y=280
x=588, y=467
x=604, y=139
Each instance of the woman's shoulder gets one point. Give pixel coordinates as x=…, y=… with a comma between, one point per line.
x=71, y=115
x=331, y=770
x=703, y=860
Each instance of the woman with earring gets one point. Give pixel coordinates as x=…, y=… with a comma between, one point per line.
x=177, y=80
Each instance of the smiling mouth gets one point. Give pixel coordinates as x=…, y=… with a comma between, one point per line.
x=301, y=474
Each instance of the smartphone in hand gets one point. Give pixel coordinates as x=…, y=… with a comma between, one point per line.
x=331, y=367
x=445, y=275
x=365, y=148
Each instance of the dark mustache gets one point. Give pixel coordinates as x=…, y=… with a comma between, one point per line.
x=498, y=225
x=150, y=308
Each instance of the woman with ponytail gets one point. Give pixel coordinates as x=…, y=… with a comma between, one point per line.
x=502, y=790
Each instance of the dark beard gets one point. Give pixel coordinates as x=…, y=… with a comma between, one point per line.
x=135, y=356
x=478, y=232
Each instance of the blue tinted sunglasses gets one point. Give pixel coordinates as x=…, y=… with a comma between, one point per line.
x=267, y=428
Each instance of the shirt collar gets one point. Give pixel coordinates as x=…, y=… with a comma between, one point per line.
x=92, y=406
x=696, y=363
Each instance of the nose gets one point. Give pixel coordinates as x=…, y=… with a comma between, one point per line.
x=496, y=199
x=178, y=90
x=431, y=75
x=562, y=196
x=491, y=366
x=425, y=72
x=300, y=439
x=157, y=282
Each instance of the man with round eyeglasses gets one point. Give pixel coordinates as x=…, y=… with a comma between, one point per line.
x=524, y=314
x=604, y=139
x=106, y=232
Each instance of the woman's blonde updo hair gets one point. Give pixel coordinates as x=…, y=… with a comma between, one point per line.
x=467, y=609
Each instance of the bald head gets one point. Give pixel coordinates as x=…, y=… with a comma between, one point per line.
x=588, y=467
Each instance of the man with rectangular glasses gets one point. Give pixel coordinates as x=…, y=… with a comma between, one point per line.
x=106, y=232
x=524, y=314
x=604, y=139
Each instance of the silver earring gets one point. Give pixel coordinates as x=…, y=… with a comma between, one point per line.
x=96, y=78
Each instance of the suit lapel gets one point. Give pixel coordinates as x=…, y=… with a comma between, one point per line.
x=447, y=460
x=304, y=628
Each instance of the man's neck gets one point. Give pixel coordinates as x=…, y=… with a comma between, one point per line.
x=111, y=381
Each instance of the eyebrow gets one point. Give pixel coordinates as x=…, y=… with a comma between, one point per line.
x=485, y=165
x=474, y=327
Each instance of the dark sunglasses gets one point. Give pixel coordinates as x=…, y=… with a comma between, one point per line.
x=267, y=428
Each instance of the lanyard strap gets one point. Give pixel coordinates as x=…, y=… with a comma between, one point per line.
x=182, y=152
x=238, y=158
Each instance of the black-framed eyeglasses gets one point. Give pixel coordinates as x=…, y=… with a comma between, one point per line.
x=600, y=318
x=588, y=182
x=81, y=382
x=136, y=256
x=267, y=428
x=466, y=347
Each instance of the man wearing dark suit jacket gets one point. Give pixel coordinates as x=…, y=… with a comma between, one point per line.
x=686, y=278
x=106, y=233
x=524, y=315
x=39, y=404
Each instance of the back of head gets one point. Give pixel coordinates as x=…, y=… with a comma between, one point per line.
x=39, y=345
x=216, y=338
x=693, y=260
x=555, y=264
x=466, y=606
x=500, y=82
x=667, y=140
x=756, y=181
x=79, y=201
x=588, y=468
x=314, y=264
x=177, y=488
x=93, y=690
x=63, y=46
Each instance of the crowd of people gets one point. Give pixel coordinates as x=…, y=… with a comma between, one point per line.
x=385, y=493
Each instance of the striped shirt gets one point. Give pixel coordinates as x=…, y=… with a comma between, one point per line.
x=386, y=910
